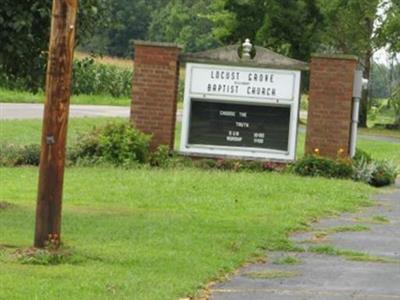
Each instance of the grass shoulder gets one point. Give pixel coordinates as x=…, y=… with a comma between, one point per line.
x=13, y=96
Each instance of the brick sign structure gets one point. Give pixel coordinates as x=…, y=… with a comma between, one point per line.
x=330, y=105
x=154, y=92
x=244, y=108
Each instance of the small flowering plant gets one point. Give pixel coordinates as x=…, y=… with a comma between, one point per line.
x=53, y=242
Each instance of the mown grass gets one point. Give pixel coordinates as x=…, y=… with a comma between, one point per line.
x=158, y=234
x=24, y=132
x=152, y=233
x=10, y=96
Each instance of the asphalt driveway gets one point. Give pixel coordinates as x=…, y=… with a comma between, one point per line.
x=331, y=277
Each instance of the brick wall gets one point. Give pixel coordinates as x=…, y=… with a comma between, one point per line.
x=154, y=92
x=330, y=105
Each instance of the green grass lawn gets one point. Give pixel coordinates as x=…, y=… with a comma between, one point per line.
x=25, y=132
x=158, y=234
x=9, y=96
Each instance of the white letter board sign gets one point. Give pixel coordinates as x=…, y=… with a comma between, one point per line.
x=240, y=112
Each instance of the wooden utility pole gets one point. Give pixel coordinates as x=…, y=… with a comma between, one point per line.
x=55, y=121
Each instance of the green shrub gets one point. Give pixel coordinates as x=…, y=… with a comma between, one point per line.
x=319, y=166
x=116, y=143
x=16, y=155
x=385, y=173
x=160, y=157
x=361, y=155
x=363, y=170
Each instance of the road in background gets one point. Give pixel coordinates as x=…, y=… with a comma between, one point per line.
x=10, y=111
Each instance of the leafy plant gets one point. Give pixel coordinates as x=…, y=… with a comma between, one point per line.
x=385, y=173
x=363, y=170
x=160, y=157
x=17, y=155
x=362, y=155
x=312, y=165
x=100, y=79
x=116, y=143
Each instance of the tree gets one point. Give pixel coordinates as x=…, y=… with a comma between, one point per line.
x=380, y=81
x=290, y=27
x=361, y=27
x=185, y=23
x=388, y=33
x=395, y=103
x=130, y=20
x=24, y=35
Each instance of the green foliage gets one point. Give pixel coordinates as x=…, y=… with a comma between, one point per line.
x=185, y=23
x=24, y=35
x=319, y=166
x=362, y=155
x=181, y=89
x=130, y=20
x=99, y=79
x=17, y=155
x=46, y=257
x=388, y=33
x=395, y=103
x=363, y=170
x=116, y=143
x=349, y=25
x=375, y=172
x=160, y=157
x=266, y=23
x=385, y=173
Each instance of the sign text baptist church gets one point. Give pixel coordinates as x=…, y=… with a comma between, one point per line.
x=243, y=83
x=242, y=112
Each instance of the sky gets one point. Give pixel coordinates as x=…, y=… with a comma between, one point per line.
x=383, y=57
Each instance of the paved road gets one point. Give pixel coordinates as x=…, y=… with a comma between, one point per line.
x=322, y=277
x=35, y=111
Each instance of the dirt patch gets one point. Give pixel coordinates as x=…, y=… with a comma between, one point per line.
x=5, y=205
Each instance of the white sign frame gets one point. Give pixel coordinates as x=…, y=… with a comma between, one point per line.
x=193, y=91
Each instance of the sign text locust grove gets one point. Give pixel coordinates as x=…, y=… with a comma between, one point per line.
x=243, y=83
x=240, y=112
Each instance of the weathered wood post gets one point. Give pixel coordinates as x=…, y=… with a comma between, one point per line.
x=55, y=121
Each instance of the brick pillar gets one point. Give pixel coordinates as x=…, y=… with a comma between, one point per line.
x=154, y=92
x=330, y=105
